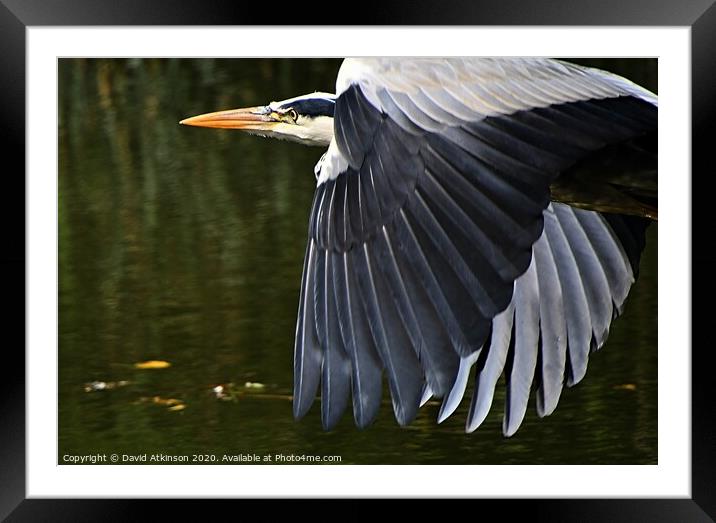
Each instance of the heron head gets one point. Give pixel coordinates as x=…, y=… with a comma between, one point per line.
x=306, y=119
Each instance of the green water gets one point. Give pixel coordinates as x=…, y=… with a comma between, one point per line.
x=186, y=245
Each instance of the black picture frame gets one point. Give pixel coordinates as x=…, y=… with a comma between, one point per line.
x=17, y=15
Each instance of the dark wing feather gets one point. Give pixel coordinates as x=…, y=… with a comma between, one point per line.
x=366, y=368
x=336, y=376
x=308, y=356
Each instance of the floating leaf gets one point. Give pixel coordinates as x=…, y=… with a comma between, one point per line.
x=180, y=406
x=165, y=401
x=152, y=364
x=252, y=385
x=170, y=403
x=625, y=386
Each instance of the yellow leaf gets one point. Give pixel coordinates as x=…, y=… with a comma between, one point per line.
x=625, y=386
x=165, y=401
x=152, y=364
x=181, y=406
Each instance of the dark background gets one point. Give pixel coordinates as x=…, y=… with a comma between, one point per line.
x=186, y=245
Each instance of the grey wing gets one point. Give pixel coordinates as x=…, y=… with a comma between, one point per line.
x=582, y=269
x=431, y=243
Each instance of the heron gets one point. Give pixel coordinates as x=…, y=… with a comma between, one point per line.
x=473, y=217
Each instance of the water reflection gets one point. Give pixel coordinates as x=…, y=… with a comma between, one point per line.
x=185, y=245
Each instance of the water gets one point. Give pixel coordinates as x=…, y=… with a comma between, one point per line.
x=185, y=245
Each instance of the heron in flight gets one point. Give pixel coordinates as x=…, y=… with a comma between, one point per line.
x=470, y=213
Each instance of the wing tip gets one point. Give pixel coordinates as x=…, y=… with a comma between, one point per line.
x=300, y=408
x=475, y=420
x=509, y=430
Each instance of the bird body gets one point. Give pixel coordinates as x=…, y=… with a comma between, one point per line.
x=459, y=227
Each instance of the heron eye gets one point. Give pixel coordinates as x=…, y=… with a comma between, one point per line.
x=293, y=114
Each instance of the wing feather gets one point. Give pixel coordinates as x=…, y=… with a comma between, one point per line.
x=365, y=365
x=491, y=369
x=553, y=328
x=577, y=315
x=336, y=378
x=522, y=360
x=307, y=352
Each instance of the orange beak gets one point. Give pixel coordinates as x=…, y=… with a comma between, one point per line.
x=248, y=119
